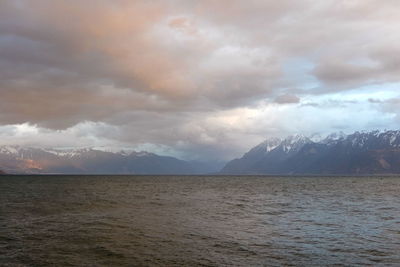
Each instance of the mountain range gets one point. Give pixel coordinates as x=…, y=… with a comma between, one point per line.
x=29, y=160
x=359, y=153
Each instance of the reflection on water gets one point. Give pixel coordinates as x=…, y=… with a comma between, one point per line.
x=191, y=221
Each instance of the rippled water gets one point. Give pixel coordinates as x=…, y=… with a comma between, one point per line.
x=191, y=221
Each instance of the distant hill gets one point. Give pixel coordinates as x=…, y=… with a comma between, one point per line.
x=358, y=153
x=16, y=159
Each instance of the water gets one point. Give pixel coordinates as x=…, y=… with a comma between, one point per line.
x=199, y=221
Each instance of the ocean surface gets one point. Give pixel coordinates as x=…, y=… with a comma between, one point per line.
x=199, y=221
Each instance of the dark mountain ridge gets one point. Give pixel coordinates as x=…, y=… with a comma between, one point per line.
x=358, y=153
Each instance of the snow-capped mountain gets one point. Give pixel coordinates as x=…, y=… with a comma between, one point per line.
x=17, y=159
x=294, y=143
x=333, y=138
x=270, y=144
x=266, y=146
x=357, y=153
x=374, y=140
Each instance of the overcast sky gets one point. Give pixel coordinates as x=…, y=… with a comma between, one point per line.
x=196, y=79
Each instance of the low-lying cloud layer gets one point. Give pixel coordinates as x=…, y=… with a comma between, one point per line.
x=199, y=79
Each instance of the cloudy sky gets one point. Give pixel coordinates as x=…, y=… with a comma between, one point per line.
x=196, y=79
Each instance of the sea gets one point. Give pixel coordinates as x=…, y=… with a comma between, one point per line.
x=199, y=221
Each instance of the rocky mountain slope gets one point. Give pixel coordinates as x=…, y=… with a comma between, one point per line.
x=358, y=153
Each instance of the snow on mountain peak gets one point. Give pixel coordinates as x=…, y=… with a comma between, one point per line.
x=270, y=144
x=333, y=138
x=392, y=137
x=316, y=137
x=294, y=142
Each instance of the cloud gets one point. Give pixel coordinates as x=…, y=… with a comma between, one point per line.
x=287, y=99
x=192, y=75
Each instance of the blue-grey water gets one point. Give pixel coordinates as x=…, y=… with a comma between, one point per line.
x=199, y=221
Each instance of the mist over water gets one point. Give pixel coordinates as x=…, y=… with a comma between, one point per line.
x=199, y=220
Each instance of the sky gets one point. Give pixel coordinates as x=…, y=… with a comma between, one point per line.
x=200, y=80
